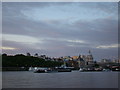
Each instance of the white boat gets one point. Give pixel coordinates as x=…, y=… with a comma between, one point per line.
x=31, y=69
x=81, y=69
x=42, y=70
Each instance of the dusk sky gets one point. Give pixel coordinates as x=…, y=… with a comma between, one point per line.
x=61, y=28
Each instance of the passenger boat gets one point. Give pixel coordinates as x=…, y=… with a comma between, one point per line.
x=64, y=69
x=42, y=70
x=49, y=70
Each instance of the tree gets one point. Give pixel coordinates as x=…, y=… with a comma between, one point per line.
x=4, y=54
x=28, y=54
x=36, y=55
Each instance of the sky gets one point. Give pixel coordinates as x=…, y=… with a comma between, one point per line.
x=60, y=28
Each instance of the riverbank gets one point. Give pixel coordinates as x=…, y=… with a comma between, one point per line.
x=15, y=68
x=27, y=69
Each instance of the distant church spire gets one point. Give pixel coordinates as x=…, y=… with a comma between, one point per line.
x=90, y=57
x=90, y=52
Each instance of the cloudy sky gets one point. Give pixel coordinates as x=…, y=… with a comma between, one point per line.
x=60, y=29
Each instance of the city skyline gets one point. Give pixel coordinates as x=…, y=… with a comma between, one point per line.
x=61, y=28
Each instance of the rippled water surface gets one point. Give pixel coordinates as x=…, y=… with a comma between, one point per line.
x=75, y=79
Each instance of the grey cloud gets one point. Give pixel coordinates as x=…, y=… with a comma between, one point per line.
x=22, y=26
x=108, y=7
x=21, y=48
x=17, y=7
x=103, y=30
x=100, y=31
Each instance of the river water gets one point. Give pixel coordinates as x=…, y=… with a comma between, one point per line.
x=75, y=79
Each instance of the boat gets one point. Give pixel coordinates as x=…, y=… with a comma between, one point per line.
x=42, y=70
x=50, y=70
x=81, y=70
x=106, y=70
x=64, y=69
x=31, y=69
x=115, y=68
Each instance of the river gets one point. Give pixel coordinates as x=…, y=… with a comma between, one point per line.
x=74, y=79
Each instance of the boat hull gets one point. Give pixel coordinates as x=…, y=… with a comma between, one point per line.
x=63, y=70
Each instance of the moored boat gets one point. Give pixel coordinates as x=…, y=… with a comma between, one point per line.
x=63, y=69
x=50, y=70
x=81, y=69
x=42, y=70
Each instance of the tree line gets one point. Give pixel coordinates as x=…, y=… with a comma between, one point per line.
x=21, y=60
